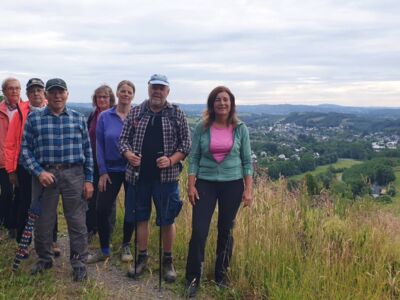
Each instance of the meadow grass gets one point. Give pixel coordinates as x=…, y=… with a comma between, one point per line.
x=287, y=246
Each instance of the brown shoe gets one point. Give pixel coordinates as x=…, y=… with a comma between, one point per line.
x=56, y=250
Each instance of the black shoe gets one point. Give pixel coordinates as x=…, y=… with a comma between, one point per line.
x=222, y=283
x=140, y=267
x=79, y=273
x=191, y=288
x=169, y=273
x=12, y=234
x=40, y=266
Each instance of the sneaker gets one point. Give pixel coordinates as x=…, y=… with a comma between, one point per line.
x=169, y=273
x=96, y=257
x=56, y=250
x=79, y=273
x=191, y=288
x=40, y=266
x=126, y=255
x=141, y=266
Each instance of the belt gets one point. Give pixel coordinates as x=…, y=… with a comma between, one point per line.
x=61, y=166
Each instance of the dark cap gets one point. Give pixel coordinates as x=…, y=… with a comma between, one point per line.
x=159, y=79
x=35, y=82
x=55, y=82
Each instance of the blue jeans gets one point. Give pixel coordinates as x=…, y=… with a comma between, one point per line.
x=166, y=200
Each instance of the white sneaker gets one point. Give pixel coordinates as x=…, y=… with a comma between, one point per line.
x=126, y=255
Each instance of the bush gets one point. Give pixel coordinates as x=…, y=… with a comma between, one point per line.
x=384, y=199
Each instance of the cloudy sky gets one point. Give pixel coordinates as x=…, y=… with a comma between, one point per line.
x=343, y=52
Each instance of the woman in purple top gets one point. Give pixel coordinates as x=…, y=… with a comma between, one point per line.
x=103, y=98
x=112, y=171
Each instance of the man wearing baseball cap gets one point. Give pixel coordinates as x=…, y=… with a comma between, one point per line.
x=154, y=139
x=56, y=150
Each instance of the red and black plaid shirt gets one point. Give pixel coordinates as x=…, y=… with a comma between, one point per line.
x=176, y=136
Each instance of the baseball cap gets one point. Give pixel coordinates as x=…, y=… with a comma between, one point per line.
x=55, y=82
x=35, y=82
x=159, y=79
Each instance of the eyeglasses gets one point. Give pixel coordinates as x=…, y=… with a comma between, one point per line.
x=13, y=88
x=102, y=97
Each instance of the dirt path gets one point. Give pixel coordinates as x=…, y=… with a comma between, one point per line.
x=111, y=277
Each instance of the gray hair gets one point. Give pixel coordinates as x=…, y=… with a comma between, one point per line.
x=6, y=81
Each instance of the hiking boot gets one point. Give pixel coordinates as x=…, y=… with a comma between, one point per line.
x=79, y=273
x=140, y=267
x=96, y=257
x=126, y=255
x=169, y=273
x=56, y=250
x=40, y=266
x=191, y=288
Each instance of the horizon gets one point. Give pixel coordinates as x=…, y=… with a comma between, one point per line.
x=264, y=104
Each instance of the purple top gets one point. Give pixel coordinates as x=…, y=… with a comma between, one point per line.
x=221, y=142
x=109, y=127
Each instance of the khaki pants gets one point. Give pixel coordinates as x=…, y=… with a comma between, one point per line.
x=69, y=184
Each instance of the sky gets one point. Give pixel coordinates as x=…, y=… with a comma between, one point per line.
x=311, y=52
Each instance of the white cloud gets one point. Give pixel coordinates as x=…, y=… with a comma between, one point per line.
x=313, y=51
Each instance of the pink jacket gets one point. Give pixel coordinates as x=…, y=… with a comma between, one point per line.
x=12, y=145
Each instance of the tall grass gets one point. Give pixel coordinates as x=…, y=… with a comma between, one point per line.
x=291, y=246
x=287, y=246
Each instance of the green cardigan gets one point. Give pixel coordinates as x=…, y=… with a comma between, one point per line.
x=236, y=164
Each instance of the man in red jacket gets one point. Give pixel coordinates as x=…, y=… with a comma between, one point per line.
x=11, y=89
x=18, y=175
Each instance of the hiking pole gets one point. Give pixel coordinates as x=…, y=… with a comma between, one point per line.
x=136, y=176
x=159, y=154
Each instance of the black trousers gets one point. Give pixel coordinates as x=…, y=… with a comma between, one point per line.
x=106, y=207
x=6, y=200
x=91, y=213
x=228, y=195
x=22, y=202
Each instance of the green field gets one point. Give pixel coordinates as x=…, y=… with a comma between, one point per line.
x=341, y=163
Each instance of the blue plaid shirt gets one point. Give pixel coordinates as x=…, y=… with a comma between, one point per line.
x=49, y=139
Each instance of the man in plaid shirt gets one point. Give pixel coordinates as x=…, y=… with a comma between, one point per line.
x=56, y=150
x=155, y=139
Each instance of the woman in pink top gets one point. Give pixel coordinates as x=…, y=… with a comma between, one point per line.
x=220, y=171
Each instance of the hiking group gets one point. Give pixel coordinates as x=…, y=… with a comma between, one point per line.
x=48, y=150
